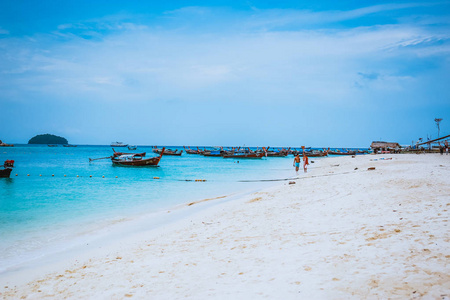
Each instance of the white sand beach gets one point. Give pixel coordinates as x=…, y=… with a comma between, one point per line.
x=340, y=232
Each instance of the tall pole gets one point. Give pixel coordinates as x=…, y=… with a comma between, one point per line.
x=438, y=120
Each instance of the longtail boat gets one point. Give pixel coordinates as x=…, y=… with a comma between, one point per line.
x=8, y=166
x=338, y=152
x=190, y=151
x=212, y=153
x=279, y=153
x=167, y=151
x=116, y=154
x=216, y=151
x=136, y=159
x=5, y=145
x=245, y=154
x=316, y=153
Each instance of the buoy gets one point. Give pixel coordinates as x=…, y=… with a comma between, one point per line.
x=116, y=177
x=16, y=174
x=155, y=177
x=53, y=175
x=90, y=175
x=64, y=175
x=103, y=176
x=78, y=176
x=40, y=175
x=28, y=174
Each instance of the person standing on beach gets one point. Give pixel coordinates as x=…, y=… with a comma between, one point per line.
x=305, y=163
x=446, y=147
x=296, y=163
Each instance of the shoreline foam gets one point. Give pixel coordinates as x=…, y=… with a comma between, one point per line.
x=339, y=232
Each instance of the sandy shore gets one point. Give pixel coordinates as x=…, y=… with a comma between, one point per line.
x=340, y=232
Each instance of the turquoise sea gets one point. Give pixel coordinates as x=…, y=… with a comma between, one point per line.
x=53, y=199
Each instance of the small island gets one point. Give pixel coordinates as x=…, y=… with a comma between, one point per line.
x=48, y=139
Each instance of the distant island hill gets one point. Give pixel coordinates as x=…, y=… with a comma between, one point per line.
x=48, y=139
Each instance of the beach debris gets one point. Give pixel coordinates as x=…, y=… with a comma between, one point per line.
x=335, y=165
x=255, y=199
x=291, y=182
x=356, y=168
x=371, y=168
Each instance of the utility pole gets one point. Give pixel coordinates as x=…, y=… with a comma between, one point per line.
x=438, y=120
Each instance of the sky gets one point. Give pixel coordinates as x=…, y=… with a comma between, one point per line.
x=232, y=73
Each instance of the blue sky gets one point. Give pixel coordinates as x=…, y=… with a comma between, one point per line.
x=331, y=73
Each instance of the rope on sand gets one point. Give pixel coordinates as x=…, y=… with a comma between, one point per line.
x=294, y=178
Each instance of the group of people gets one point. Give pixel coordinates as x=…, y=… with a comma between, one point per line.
x=297, y=161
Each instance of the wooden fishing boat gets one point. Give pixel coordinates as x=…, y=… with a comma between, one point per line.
x=190, y=151
x=245, y=155
x=125, y=153
x=136, y=159
x=8, y=166
x=167, y=151
x=338, y=152
x=316, y=153
x=274, y=153
x=212, y=153
x=5, y=145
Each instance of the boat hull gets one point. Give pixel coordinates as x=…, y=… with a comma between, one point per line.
x=5, y=173
x=247, y=155
x=168, y=152
x=276, y=154
x=136, y=160
x=341, y=153
x=315, y=154
x=154, y=161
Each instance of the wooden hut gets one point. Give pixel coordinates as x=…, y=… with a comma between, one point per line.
x=379, y=146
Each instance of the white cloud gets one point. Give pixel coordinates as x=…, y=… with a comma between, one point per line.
x=137, y=62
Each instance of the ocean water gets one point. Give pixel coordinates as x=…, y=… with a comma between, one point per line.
x=53, y=199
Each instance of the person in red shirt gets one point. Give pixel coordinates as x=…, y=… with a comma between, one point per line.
x=305, y=163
